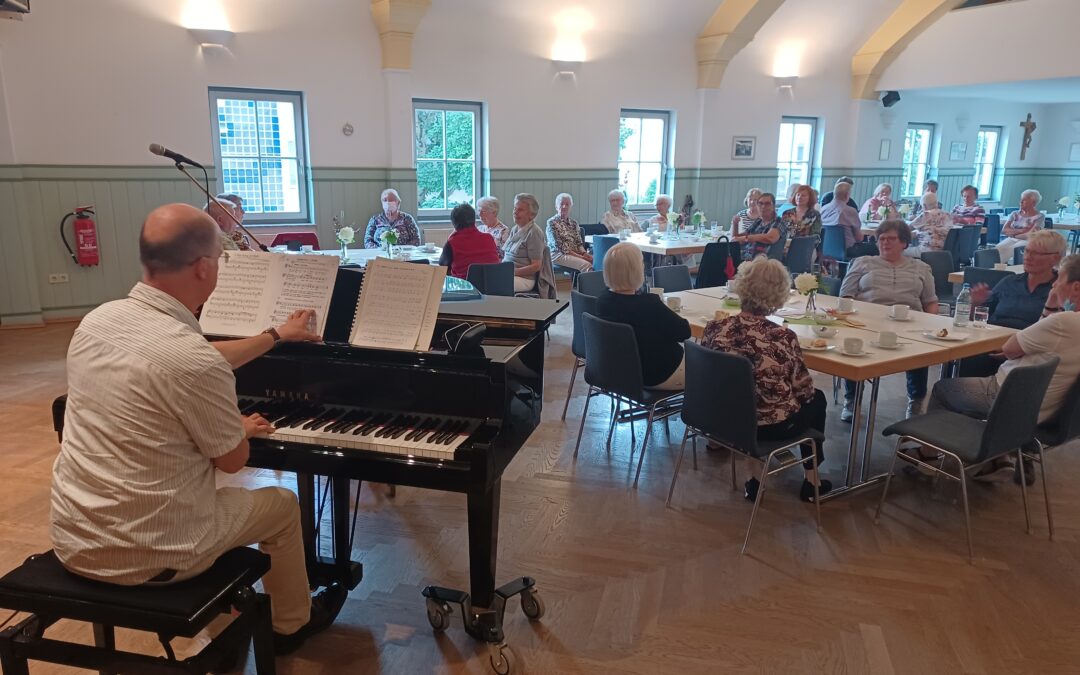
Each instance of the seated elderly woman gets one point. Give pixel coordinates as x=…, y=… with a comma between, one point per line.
x=742, y=220
x=765, y=231
x=917, y=208
x=931, y=227
x=525, y=245
x=892, y=278
x=487, y=210
x=659, y=331
x=564, y=237
x=617, y=218
x=840, y=213
x=467, y=245
x=968, y=212
x=871, y=210
x=391, y=218
x=232, y=238
x=787, y=402
x=1021, y=224
x=804, y=220
x=663, y=208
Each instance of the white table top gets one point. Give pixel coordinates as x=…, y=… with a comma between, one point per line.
x=361, y=256
x=685, y=244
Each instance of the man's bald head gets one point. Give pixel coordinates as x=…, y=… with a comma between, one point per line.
x=174, y=236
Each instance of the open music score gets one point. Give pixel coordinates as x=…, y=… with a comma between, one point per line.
x=399, y=304
x=258, y=290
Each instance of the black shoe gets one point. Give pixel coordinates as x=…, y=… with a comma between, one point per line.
x=1029, y=473
x=806, y=493
x=750, y=489
x=325, y=606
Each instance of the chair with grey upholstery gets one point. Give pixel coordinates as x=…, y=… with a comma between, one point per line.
x=1055, y=432
x=579, y=304
x=671, y=278
x=591, y=283
x=941, y=264
x=800, y=255
x=981, y=275
x=986, y=258
x=776, y=250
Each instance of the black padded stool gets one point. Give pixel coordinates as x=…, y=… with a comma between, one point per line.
x=42, y=587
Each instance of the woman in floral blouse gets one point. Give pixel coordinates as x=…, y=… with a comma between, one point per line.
x=1020, y=224
x=871, y=208
x=804, y=220
x=564, y=237
x=787, y=402
x=932, y=227
x=487, y=210
x=392, y=217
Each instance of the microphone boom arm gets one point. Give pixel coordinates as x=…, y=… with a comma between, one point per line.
x=228, y=211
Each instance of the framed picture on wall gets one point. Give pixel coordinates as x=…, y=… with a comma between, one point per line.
x=957, y=151
x=1074, y=152
x=743, y=147
x=883, y=150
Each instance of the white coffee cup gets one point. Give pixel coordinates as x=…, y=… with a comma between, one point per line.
x=853, y=345
x=887, y=338
x=657, y=290
x=307, y=248
x=1000, y=266
x=674, y=303
x=623, y=234
x=899, y=312
x=429, y=247
x=845, y=304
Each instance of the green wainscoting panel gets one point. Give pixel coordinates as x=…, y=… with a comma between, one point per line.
x=721, y=193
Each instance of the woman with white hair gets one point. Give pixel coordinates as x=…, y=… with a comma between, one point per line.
x=487, y=210
x=564, y=237
x=525, y=245
x=787, y=402
x=742, y=220
x=1021, y=224
x=391, y=218
x=931, y=227
x=663, y=208
x=658, y=330
x=871, y=208
x=617, y=218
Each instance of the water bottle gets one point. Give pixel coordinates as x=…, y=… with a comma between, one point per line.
x=963, y=307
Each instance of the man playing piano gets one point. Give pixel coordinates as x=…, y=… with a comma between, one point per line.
x=151, y=413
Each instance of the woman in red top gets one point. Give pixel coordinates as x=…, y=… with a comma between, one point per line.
x=467, y=245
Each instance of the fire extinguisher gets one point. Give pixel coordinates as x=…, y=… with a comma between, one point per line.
x=86, y=243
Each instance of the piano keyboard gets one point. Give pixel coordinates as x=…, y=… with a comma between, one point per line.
x=417, y=435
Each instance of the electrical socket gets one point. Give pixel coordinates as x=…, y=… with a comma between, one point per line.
x=58, y=279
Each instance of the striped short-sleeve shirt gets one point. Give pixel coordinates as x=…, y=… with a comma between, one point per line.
x=150, y=404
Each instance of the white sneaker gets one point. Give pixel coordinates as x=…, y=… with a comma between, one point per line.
x=847, y=414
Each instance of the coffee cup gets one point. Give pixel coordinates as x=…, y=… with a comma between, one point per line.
x=429, y=247
x=1000, y=266
x=887, y=338
x=853, y=345
x=845, y=304
x=307, y=248
x=674, y=303
x=623, y=234
x=899, y=312
x=657, y=290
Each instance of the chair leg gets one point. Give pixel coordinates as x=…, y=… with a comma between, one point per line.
x=757, y=502
x=836, y=390
x=967, y=511
x=888, y=479
x=644, y=443
x=693, y=445
x=570, y=389
x=262, y=637
x=105, y=638
x=611, y=425
x=734, y=483
x=667, y=429
x=678, y=465
x=1023, y=490
x=817, y=490
x=581, y=426
x=1046, y=489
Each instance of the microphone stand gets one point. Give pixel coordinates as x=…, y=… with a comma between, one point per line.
x=228, y=211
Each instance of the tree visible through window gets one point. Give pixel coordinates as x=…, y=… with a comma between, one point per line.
x=917, y=145
x=795, y=152
x=986, y=154
x=643, y=138
x=446, y=139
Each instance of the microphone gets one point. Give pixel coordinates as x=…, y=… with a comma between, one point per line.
x=161, y=150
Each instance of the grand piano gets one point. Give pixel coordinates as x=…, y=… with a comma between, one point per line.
x=442, y=420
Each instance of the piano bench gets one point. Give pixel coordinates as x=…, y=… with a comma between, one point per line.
x=42, y=587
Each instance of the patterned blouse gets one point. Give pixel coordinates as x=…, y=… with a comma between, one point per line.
x=500, y=233
x=408, y=234
x=236, y=241
x=752, y=249
x=977, y=212
x=932, y=227
x=810, y=225
x=783, y=382
x=1019, y=221
x=564, y=236
x=744, y=220
x=872, y=205
x=615, y=224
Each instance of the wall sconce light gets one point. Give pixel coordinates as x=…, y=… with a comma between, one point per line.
x=212, y=37
x=962, y=122
x=566, y=68
x=786, y=82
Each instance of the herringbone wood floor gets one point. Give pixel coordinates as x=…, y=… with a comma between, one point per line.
x=634, y=587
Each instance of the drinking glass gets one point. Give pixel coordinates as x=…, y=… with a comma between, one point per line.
x=981, y=315
x=944, y=309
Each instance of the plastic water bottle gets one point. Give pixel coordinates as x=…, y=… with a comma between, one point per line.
x=963, y=307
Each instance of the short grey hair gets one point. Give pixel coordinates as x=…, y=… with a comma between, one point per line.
x=763, y=285
x=561, y=196
x=617, y=193
x=929, y=201
x=882, y=186
x=221, y=203
x=624, y=267
x=1050, y=241
x=843, y=179
x=751, y=196
x=530, y=200
x=664, y=198
x=842, y=192
x=390, y=191
x=1034, y=193
x=489, y=203
x=1070, y=268
x=196, y=238
x=236, y=199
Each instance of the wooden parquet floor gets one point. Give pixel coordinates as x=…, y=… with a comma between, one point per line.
x=634, y=587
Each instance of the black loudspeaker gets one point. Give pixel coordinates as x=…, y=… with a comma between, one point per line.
x=890, y=99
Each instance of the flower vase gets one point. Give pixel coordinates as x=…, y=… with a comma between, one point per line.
x=344, y=252
x=811, y=304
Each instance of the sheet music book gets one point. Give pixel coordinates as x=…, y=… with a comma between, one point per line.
x=399, y=303
x=257, y=290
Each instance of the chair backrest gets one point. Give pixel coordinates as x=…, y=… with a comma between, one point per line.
x=592, y=229
x=296, y=239
x=941, y=264
x=591, y=283
x=1048, y=223
x=1014, y=416
x=493, y=278
x=612, y=362
x=993, y=228
x=720, y=397
x=776, y=250
x=996, y=212
x=986, y=257
x=981, y=275
x=580, y=304
x=1010, y=209
x=966, y=243
x=1018, y=255
x=830, y=285
x=832, y=242
x=1067, y=420
x=952, y=244
x=671, y=278
x=600, y=246
x=800, y=255
x=712, y=270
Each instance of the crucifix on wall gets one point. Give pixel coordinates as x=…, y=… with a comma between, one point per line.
x=1029, y=128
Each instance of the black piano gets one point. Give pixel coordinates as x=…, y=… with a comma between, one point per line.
x=437, y=420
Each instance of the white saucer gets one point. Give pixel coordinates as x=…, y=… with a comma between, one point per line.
x=806, y=346
x=898, y=345
x=951, y=337
x=890, y=317
x=860, y=354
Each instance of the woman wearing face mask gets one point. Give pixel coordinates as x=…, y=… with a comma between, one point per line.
x=391, y=218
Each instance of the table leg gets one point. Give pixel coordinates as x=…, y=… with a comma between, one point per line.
x=853, y=442
x=868, y=439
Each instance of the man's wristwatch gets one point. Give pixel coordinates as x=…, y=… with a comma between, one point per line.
x=272, y=332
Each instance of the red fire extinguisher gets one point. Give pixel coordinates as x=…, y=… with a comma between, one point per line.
x=86, y=243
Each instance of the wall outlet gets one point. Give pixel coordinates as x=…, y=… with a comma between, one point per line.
x=58, y=279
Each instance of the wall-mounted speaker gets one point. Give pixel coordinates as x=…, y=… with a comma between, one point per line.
x=890, y=99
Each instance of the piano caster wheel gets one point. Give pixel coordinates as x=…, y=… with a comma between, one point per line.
x=503, y=658
x=532, y=605
x=438, y=615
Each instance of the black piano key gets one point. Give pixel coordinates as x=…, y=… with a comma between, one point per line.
x=373, y=424
x=389, y=426
x=299, y=415
x=408, y=426
x=421, y=429
x=327, y=418
x=461, y=426
x=437, y=435
x=346, y=422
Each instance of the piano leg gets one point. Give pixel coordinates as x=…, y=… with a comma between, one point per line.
x=483, y=542
x=325, y=570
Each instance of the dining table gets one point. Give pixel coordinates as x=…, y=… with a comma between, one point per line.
x=687, y=243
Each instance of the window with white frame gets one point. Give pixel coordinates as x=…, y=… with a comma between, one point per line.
x=447, y=147
x=260, y=154
x=987, y=146
x=643, y=149
x=918, y=141
x=795, y=152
